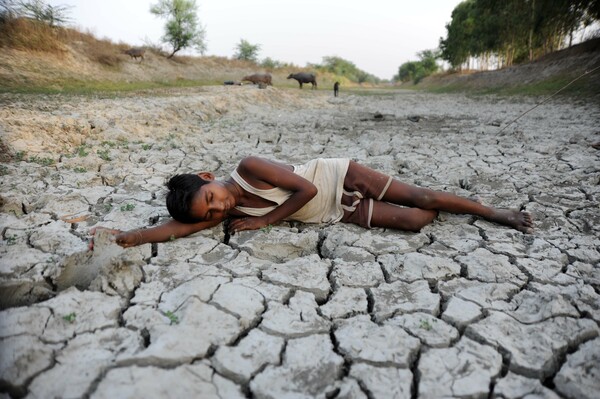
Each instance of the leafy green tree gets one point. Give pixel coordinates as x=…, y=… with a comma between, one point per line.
x=182, y=28
x=418, y=70
x=247, y=51
x=347, y=69
x=406, y=71
x=269, y=63
x=513, y=30
x=455, y=47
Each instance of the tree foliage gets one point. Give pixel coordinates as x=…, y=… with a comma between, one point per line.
x=37, y=10
x=347, y=69
x=513, y=31
x=247, y=51
x=269, y=63
x=417, y=70
x=182, y=28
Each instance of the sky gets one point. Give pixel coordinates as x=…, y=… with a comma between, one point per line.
x=376, y=35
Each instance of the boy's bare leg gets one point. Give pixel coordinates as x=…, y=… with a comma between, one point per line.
x=395, y=217
x=417, y=197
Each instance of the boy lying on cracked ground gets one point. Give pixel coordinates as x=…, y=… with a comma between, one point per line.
x=262, y=192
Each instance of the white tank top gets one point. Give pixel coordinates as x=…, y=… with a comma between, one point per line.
x=327, y=174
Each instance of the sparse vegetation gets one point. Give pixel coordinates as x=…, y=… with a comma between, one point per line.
x=109, y=144
x=127, y=207
x=70, y=317
x=19, y=156
x=10, y=239
x=44, y=161
x=267, y=229
x=172, y=317
x=171, y=142
x=82, y=151
x=425, y=325
x=104, y=154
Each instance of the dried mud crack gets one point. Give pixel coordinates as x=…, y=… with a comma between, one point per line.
x=464, y=308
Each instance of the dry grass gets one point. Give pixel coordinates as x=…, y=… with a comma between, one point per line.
x=29, y=35
x=102, y=51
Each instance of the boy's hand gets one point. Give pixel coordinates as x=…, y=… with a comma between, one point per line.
x=247, y=223
x=117, y=234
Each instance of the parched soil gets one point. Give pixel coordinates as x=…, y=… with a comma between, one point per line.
x=464, y=308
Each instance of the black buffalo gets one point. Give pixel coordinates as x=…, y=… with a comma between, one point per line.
x=258, y=78
x=304, y=77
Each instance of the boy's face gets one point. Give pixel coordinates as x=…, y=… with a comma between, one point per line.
x=212, y=202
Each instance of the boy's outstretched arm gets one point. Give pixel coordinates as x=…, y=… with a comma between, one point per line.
x=165, y=232
x=273, y=174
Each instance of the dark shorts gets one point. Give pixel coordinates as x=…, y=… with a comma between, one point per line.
x=362, y=186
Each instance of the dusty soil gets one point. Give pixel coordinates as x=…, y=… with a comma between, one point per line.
x=464, y=306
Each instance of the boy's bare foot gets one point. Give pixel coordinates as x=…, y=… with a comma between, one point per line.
x=518, y=220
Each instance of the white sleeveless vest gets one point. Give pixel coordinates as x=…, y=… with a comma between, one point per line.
x=327, y=174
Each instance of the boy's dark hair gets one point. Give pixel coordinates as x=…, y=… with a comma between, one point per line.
x=182, y=189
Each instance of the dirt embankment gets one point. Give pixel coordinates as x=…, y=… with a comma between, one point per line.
x=78, y=66
x=556, y=69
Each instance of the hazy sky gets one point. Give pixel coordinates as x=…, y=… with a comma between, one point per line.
x=376, y=35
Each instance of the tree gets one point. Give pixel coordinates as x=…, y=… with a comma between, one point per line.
x=52, y=15
x=8, y=10
x=455, y=47
x=417, y=70
x=347, y=69
x=513, y=30
x=35, y=9
x=182, y=29
x=247, y=51
x=269, y=63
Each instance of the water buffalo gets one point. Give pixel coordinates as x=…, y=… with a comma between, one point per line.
x=336, y=88
x=135, y=53
x=303, y=77
x=258, y=78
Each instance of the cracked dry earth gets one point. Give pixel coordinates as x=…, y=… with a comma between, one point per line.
x=463, y=309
